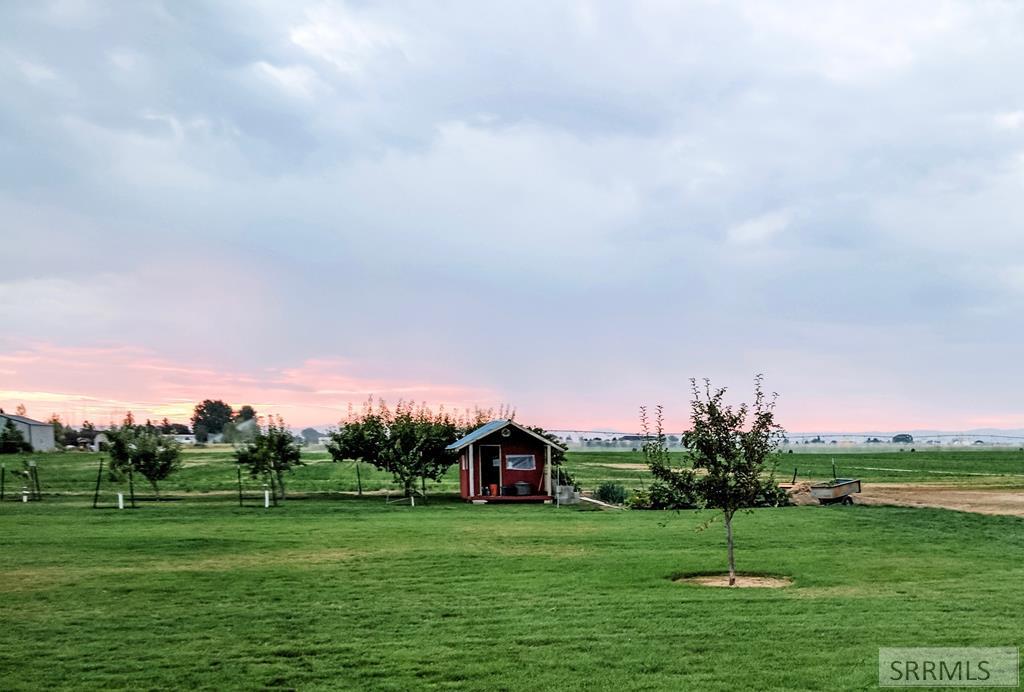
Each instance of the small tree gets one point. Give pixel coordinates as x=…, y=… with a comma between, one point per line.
x=59, y=430
x=143, y=450
x=270, y=454
x=12, y=441
x=673, y=488
x=736, y=459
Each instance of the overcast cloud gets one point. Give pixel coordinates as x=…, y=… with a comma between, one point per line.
x=569, y=207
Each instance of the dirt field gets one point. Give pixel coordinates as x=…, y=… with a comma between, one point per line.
x=947, y=497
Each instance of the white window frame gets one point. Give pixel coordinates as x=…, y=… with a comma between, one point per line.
x=510, y=457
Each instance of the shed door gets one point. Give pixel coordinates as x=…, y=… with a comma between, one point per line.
x=490, y=466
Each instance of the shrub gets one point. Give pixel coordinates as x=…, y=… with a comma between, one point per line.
x=639, y=499
x=612, y=493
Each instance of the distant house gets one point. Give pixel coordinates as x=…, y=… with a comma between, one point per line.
x=36, y=433
x=181, y=439
x=504, y=462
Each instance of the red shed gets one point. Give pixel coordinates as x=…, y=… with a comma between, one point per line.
x=504, y=462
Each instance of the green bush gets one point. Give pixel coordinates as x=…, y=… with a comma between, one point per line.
x=660, y=496
x=612, y=493
x=639, y=499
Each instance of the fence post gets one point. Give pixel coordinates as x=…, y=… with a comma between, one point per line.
x=34, y=473
x=239, y=468
x=131, y=485
x=99, y=477
x=120, y=500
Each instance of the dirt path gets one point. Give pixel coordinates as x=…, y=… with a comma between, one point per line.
x=965, y=500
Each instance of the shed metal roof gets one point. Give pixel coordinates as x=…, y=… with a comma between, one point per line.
x=493, y=427
x=22, y=419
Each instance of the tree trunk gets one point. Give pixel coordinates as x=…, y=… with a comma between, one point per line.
x=156, y=490
x=280, y=483
x=728, y=539
x=410, y=485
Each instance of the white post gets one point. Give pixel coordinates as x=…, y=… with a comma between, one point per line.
x=120, y=500
x=266, y=499
x=412, y=498
x=24, y=495
x=547, y=469
x=472, y=488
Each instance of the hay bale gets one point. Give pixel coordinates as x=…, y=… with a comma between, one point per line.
x=800, y=494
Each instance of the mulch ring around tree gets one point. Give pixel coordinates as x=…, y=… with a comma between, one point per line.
x=743, y=581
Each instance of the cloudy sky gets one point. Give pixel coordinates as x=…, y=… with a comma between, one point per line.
x=569, y=207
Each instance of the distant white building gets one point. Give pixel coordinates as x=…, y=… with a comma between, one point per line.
x=189, y=439
x=36, y=433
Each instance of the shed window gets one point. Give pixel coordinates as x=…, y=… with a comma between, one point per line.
x=520, y=462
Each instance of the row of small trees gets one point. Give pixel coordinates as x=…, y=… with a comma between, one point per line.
x=143, y=449
x=408, y=441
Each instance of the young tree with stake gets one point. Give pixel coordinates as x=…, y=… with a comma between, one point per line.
x=736, y=459
x=270, y=454
x=145, y=450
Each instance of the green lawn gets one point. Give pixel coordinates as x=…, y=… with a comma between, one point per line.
x=348, y=593
x=213, y=471
x=991, y=468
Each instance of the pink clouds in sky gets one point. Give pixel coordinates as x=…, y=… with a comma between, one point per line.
x=102, y=383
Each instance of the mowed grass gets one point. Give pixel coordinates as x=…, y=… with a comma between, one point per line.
x=213, y=470
x=988, y=468
x=351, y=593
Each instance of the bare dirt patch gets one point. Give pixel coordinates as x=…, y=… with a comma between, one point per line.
x=624, y=466
x=743, y=581
x=1008, y=502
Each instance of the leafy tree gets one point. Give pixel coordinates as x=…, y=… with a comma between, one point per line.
x=735, y=458
x=21, y=410
x=247, y=412
x=270, y=454
x=212, y=415
x=144, y=450
x=409, y=441
x=11, y=439
x=202, y=434
x=311, y=436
